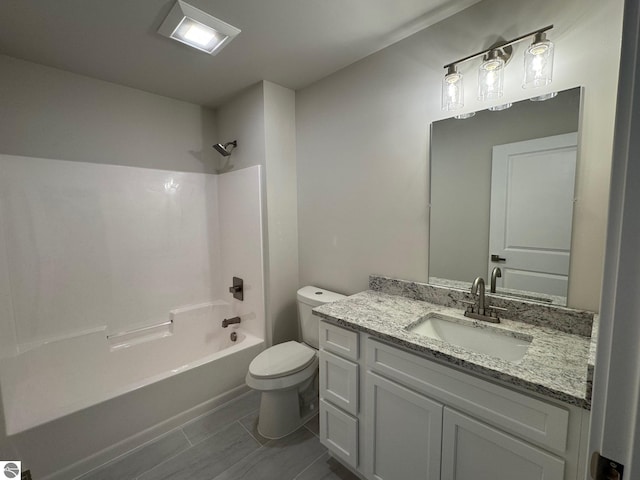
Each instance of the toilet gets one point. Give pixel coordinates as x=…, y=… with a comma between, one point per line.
x=287, y=373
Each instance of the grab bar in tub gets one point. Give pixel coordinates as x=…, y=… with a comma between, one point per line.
x=141, y=329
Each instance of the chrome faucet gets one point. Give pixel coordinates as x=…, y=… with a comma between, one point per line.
x=495, y=274
x=479, y=310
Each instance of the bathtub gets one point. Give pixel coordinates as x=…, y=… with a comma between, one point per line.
x=96, y=390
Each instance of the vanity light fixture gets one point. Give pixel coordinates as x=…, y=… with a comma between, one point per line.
x=538, y=64
x=197, y=29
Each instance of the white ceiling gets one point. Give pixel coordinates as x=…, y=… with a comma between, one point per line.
x=290, y=42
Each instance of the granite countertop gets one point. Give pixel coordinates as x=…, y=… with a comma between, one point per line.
x=555, y=365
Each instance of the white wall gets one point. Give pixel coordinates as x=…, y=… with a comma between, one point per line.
x=262, y=120
x=242, y=119
x=282, y=211
x=241, y=244
x=362, y=141
x=51, y=113
x=91, y=245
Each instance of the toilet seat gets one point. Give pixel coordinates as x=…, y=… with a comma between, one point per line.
x=282, y=360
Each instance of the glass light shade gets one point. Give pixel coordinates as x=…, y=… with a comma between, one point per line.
x=452, y=91
x=543, y=97
x=538, y=64
x=499, y=108
x=491, y=78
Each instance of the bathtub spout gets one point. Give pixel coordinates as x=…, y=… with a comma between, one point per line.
x=230, y=321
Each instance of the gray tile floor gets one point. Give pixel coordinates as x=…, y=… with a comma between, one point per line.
x=225, y=445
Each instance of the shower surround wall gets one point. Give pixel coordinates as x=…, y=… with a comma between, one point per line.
x=92, y=245
x=92, y=250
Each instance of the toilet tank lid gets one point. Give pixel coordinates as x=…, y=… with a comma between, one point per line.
x=315, y=296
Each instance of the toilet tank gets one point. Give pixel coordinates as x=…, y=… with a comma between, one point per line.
x=309, y=298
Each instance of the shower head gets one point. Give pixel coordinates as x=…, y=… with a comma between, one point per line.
x=226, y=149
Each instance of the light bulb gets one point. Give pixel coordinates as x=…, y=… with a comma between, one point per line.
x=199, y=35
x=452, y=90
x=491, y=77
x=538, y=62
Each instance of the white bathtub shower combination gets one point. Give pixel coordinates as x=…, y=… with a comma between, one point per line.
x=113, y=287
x=66, y=376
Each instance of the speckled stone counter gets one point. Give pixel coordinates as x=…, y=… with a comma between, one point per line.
x=555, y=364
x=568, y=320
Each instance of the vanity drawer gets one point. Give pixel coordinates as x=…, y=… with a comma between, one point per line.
x=338, y=340
x=339, y=433
x=524, y=416
x=339, y=382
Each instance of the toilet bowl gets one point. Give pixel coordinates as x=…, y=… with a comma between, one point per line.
x=287, y=373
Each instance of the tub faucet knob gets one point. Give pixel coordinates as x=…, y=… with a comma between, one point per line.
x=237, y=289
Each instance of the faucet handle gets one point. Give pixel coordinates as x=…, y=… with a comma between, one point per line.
x=499, y=309
x=493, y=311
x=469, y=305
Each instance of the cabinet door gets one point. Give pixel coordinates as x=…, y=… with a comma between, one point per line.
x=339, y=433
x=403, y=432
x=472, y=450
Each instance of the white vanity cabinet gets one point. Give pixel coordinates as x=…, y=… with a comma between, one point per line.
x=339, y=392
x=415, y=418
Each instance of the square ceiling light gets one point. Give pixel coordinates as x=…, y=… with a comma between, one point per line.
x=197, y=29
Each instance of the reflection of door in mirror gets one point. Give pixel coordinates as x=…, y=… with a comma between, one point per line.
x=461, y=185
x=532, y=192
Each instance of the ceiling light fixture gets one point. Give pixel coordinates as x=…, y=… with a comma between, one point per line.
x=197, y=29
x=538, y=65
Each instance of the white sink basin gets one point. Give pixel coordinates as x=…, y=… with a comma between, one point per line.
x=487, y=340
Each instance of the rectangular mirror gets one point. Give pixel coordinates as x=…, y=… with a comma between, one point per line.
x=502, y=197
